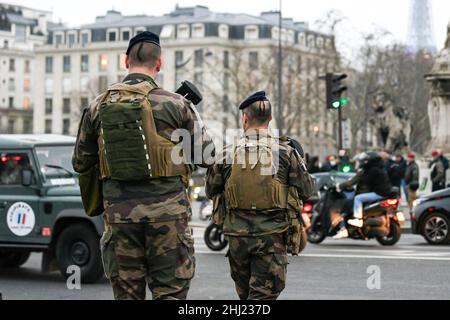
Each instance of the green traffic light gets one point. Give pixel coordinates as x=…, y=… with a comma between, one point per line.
x=336, y=104
x=346, y=169
x=345, y=101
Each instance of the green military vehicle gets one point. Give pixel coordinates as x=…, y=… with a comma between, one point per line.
x=41, y=208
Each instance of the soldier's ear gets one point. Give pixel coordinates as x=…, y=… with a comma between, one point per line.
x=244, y=117
x=159, y=64
x=127, y=62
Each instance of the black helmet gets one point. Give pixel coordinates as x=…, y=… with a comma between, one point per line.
x=367, y=157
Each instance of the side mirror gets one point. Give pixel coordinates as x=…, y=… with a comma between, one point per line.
x=27, y=178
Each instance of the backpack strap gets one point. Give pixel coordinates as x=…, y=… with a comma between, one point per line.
x=140, y=90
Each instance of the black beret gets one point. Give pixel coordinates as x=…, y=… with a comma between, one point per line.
x=146, y=36
x=258, y=96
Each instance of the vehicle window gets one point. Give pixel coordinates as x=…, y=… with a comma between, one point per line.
x=55, y=163
x=11, y=167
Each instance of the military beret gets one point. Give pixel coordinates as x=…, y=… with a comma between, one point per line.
x=146, y=36
x=258, y=96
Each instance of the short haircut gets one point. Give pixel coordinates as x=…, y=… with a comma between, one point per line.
x=259, y=112
x=144, y=54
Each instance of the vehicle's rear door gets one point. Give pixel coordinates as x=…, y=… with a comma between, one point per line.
x=19, y=209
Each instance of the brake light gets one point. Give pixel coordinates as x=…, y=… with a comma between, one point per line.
x=390, y=203
x=307, y=208
x=46, y=232
x=6, y=159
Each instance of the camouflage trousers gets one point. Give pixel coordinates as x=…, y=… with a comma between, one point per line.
x=258, y=266
x=160, y=255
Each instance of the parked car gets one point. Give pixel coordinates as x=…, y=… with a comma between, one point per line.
x=41, y=208
x=431, y=217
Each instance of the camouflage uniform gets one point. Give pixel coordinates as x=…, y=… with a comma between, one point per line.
x=257, y=239
x=147, y=238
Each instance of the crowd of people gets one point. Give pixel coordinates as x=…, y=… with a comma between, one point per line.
x=332, y=163
x=403, y=170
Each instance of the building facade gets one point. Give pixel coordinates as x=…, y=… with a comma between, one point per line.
x=227, y=55
x=21, y=31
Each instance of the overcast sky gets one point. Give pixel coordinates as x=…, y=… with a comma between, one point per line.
x=363, y=15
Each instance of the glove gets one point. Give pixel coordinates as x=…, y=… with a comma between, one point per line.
x=338, y=188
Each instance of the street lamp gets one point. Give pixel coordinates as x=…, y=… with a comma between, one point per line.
x=280, y=61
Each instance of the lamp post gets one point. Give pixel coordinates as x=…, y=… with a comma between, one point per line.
x=280, y=61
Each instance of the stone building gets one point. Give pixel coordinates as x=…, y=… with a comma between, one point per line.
x=21, y=31
x=226, y=55
x=439, y=105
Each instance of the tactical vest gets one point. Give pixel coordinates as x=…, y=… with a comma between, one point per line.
x=130, y=148
x=252, y=184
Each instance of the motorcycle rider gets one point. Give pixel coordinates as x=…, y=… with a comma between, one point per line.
x=372, y=183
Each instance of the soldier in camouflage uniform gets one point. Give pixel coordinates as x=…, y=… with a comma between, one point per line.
x=256, y=220
x=147, y=239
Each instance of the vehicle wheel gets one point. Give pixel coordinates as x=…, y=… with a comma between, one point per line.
x=393, y=237
x=214, y=238
x=316, y=236
x=436, y=228
x=79, y=245
x=13, y=259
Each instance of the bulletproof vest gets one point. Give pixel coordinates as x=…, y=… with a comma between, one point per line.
x=130, y=148
x=253, y=184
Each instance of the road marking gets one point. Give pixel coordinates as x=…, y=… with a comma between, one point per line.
x=343, y=256
x=337, y=256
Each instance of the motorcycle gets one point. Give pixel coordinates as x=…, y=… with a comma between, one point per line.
x=382, y=218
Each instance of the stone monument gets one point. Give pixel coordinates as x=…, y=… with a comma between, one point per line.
x=439, y=104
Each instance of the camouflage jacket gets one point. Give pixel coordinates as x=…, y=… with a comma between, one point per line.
x=157, y=200
x=291, y=172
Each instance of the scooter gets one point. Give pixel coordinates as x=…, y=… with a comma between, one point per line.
x=382, y=218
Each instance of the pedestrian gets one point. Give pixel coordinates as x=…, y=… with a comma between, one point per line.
x=258, y=194
x=438, y=174
x=393, y=169
x=314, y=165
x=402, y=164
x=331, y=164
x=412, y=176
x=126, y=132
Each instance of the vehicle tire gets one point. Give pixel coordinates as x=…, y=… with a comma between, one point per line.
x=79, y=245
x=214, y=238
x=393, y=237
x=436, y=228
x=13, y=259
x=316, y=236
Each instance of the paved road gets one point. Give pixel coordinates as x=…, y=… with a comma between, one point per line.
x=333, y=270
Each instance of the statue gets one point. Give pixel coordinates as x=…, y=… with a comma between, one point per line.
x=447, y=43
x=391, y=123
x=439, y=104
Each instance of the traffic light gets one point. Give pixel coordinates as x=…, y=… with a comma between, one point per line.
x=335, y=88
x=347, y=168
